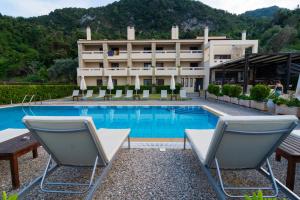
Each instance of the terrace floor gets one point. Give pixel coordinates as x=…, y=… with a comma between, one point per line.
x=146, y=173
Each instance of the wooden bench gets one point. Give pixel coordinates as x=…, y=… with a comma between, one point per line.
x=290, y=150
x=14, y=148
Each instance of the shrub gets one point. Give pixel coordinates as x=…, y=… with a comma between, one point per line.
x=10, y=197
x=293, y=103
x=259, y=92
x=235, y=91
x=158, y=88
x=226, y=89
x=244, y=97
x=16, y=93
x=213, y=89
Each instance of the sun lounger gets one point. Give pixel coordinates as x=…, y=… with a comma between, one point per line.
x=163, y=94
x=118, y=94
x=89, y=94
x=145, y=94
x=102, y=93
x=237, y=143
x=129, y=94
x=182, y=94
x=74, y=142
x=75, y=94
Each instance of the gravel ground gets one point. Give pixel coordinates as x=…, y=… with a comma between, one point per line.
x=142, y=174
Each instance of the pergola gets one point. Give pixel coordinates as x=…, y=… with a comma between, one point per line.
x=251, y=63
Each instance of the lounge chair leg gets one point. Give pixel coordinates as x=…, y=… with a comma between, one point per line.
x=128, y=139
x=272, y=178
x=184, y=142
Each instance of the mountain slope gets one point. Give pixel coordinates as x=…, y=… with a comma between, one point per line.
x=263, y=12
x=30, y=46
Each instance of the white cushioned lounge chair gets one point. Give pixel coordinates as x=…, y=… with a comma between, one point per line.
x=118, y=94
x=75, y=142
x=182, y=94
x=89, y=94
x=164, y=94
x=75, y=94
x=145, y=94
x=240, y=142
x=129, y=94
x=102, y=93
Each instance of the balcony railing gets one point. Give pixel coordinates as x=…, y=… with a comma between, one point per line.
x=141, y=71
x=165, y=54
x=93, y=55
x=166, y=71
x=144, y=54
x=117, y=55
x=191, y=54
x=89, y=71
x=118, y=71
x=192, y=71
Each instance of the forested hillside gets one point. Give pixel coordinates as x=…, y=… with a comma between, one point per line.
x=35, y=49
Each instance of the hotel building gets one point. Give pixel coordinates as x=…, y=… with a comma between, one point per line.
x=155, y=61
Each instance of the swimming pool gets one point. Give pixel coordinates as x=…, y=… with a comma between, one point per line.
x=144, y=121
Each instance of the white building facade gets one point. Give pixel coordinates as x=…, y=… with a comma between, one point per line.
x=155, y=61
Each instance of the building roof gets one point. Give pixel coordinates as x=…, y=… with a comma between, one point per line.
x=260, y=60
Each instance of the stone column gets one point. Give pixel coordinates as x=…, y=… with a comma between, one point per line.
x=177, y=62
x=129, y=62
x=153, y=61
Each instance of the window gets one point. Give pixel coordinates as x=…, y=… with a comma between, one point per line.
x=186, y=82
x=147, y=49
x=194, y=65
x=191, y=82
x=99, y=82
x=114, y=65
x=182, y=82
x=100, y=48
x=159, y=48
x=147, y=82
x=115, y=82
x=101, y=65
x=194, y=48
x=222, y=56
x=160, y=82
x=159, y=64
x=147, y=65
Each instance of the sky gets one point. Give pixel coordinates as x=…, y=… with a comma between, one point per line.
x=29, y=8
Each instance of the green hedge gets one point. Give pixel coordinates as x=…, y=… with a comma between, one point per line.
x=16, y=93
x=259, y=92
x=213, y=89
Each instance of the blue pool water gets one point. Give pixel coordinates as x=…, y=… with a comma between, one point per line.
x=144, y=121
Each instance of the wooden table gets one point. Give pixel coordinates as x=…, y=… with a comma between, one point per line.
x=136, y=97
x=173, y=96
x=14, y=148
x=290, y=150
x=108, y=97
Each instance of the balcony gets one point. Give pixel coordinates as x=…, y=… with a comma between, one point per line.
x=166, y=71
x=92, y=55
x=191, y=54
x=165, y=55
x=115, y=71
x=141, y=55
x=89, y=71
x=140, y=71
x=192, y=71
x=121, y=55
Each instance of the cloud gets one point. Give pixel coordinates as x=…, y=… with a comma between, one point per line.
x=241, y=6
x=28, y=8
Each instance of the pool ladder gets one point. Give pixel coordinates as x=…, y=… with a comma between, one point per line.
x=25, y=97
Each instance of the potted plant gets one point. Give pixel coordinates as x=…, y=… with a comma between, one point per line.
x=259, y=94
x=213, y=91
x=244, y=100
x=234, y=92
x=287, y=107
x=225, y=92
